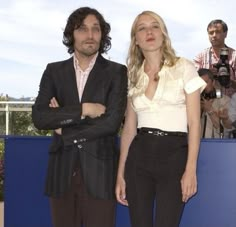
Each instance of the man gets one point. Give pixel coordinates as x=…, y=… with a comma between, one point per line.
x=213, y=106
x=229, y=117
x=232, y=110
x=217, y=32
x=232, y=115
x=83, y=99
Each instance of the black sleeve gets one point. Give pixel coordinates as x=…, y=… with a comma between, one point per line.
x=109, y=123
x=47, y=118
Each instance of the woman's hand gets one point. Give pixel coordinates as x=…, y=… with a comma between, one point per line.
x=120, y=191
x=188, y=185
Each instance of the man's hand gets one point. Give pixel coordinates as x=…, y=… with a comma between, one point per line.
x=214, y=70
x=206, y=104
x=233, y=84
x=93, y=110
x=54, y=104
x=223, y=114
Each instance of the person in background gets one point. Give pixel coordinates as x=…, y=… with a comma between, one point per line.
x=232, y=110
x=209, y=58
x=161, y=134
x=83, y=99
x=214, y=105
x=229, y=117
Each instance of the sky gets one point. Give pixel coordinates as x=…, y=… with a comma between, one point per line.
x=31, y=33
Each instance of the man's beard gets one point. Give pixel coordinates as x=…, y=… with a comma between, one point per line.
x=88, y=50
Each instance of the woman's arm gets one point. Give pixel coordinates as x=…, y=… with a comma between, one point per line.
x=128, y=133
x=189, y=178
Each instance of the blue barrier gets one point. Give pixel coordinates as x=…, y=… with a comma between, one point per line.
x=215, y=203
x=26, y=206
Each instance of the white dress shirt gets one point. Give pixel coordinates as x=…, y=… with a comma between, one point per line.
x=167, y=109
x=82, y=76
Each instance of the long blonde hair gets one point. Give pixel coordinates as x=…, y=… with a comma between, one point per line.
x=135, y=56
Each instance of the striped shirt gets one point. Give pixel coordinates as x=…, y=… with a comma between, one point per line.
x=82, y=76
x=207, y=58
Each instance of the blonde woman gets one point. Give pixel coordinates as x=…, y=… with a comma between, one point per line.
x=160, y=139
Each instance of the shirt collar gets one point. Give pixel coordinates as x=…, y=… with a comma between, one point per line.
x=91, y=64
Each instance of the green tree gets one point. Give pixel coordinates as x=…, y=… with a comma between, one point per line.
x=21, y=124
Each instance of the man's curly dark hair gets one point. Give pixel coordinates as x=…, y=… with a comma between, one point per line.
x=76, y=19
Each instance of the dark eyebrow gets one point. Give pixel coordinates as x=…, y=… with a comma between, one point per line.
x=95, y=24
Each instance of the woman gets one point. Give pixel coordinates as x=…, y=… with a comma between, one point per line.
x=158, y=161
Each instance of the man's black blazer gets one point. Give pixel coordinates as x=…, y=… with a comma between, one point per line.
x=91, y=141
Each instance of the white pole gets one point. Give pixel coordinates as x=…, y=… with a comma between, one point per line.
x=7, y=118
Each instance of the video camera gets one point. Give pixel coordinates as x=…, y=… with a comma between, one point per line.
x=216, y=93
x=223, y=68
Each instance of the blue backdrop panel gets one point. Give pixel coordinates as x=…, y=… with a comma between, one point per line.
x=26, y=206
x=25, y=168
x=215, y=203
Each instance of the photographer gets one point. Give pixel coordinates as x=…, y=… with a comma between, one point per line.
x=229, y=117
x=219, y=58
x=213, y=105
x=232, y=110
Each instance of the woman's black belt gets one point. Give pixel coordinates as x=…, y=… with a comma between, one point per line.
x=159, y=132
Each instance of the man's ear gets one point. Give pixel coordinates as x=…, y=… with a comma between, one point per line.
x=226, y=34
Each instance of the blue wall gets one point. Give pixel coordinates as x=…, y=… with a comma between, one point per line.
x=26, y=206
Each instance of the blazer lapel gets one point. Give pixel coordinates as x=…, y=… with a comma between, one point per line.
x=71, y=80
x=94, y=76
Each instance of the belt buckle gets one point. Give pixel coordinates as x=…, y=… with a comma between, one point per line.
x=158, y=133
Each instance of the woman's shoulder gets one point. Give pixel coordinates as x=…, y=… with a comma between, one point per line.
x=184, y=61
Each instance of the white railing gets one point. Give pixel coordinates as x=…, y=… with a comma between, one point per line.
x=12, y=106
